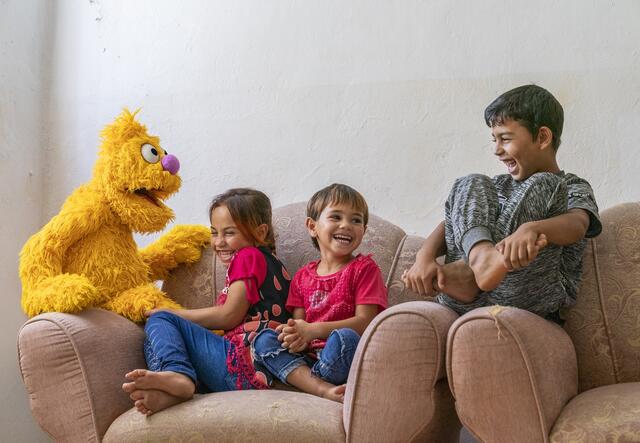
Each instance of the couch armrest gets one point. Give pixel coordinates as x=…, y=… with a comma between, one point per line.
x=511, y=373
x=73, y=367
x=396, y=389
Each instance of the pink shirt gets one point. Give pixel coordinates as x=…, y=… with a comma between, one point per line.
x=334, y=297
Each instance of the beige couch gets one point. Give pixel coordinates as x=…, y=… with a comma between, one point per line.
x=519, y=378
x=73, y=367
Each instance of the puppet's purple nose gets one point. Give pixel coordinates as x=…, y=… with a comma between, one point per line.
x=170, y=163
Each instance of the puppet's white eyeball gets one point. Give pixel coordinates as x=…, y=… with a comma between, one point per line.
x=150, y=153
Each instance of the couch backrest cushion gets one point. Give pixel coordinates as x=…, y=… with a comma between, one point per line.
x=605, y=322
x=394, y=251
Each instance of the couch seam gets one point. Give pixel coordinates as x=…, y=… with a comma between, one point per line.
x=532, y=379
x=527, y=365
x=396, y=259
x=81, y=364
x=605, y=320
x=355, y=390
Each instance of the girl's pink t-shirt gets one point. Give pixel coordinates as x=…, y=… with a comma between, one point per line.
x=334, y=297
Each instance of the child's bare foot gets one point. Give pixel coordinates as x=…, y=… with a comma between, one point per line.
x=150, y=401
x=335, y=393
x=458, y=281
x=487, y=265
x=174, y=383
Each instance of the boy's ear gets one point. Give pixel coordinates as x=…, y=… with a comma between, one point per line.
x=545, y=137
x=311, y=227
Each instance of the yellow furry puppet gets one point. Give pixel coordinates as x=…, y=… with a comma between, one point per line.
x=86, y=256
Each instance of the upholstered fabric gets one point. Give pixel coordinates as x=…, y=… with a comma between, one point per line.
x=605, y=414
x=244, y=416
x=604, y=325
x=73, y=366
x=511, y=373
x=382, y=375
x=192, y=285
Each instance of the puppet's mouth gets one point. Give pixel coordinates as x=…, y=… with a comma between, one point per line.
x=152, y=196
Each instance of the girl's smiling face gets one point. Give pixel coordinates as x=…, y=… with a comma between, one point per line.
x=226, y=238
x=338, y=230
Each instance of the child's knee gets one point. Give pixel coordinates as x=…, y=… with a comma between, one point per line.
x=348, y=337
x=159, y=317
x=473, y=180
x=266, y=342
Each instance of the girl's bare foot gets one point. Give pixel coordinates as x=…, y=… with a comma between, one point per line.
x=458, y=281
x=335, y=393
x=487, y=265
x=150, y=401
x=173, y=383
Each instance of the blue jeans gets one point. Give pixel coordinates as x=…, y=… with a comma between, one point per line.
x=179, y=345
x=332, y=365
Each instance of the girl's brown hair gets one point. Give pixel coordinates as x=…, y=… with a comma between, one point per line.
x=249, y=209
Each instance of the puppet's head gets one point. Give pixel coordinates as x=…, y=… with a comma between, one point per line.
x=135, y=174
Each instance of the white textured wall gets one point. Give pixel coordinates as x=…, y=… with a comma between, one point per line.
x=288, y=96
x=23, y=66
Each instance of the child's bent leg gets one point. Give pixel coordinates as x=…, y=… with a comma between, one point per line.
x=336, y=357
x=180, y=346
x=279, y=361
x=471, y=212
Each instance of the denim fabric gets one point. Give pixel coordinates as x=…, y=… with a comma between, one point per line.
x=333, y=361
x=179, y=345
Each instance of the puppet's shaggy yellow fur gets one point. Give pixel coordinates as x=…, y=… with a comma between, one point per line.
x=86, y=255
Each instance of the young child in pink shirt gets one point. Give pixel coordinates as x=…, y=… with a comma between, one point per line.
x=333, y=300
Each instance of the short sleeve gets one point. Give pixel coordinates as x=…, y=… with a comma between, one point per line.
x=369, y=287
x=250, y=266
x=580, y=196
x=295, y=298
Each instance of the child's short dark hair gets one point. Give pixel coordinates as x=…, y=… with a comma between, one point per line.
x=248, y=209
x=336, y=194
x=532, y=107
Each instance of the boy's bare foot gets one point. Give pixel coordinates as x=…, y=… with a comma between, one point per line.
x=150, y=401
x=487, y=265
x=457, y=280
x=335, y=393
x=174, y=383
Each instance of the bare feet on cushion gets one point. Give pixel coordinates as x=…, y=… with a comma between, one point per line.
x=173, y=383
x=457, y=280
x=335, y=393
x=488, y=266
x=150, y=401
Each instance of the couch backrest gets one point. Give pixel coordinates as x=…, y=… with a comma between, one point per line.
x=605, y=322
x=393, y=250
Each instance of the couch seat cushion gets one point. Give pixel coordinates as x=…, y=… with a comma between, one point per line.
x=242, y=416
x=607, y=413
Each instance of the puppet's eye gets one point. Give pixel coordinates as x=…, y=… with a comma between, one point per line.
x=150, y=153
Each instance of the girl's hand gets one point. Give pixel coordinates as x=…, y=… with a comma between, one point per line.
x=296, y=335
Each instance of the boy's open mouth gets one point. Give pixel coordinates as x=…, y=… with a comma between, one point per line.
x=341, y=238
x=511, y=165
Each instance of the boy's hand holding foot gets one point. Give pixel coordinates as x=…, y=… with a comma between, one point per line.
x=522, y=247
x=423, y=277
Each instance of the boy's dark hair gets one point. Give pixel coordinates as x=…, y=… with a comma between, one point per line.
x=336, y=194
x=248, y=209
x=532, y=107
